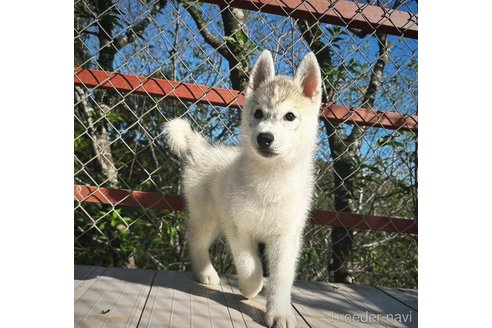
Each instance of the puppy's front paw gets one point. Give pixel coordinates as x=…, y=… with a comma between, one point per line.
x=208, y=277
x=281, y=321
x=251, y=287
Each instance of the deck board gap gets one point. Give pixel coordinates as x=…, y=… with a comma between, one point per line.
x=147, y=298
x=300, y=314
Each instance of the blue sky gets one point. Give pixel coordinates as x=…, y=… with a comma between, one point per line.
x=196, y=58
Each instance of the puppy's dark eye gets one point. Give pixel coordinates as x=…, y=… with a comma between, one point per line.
x=290, y=116
x=258, y=114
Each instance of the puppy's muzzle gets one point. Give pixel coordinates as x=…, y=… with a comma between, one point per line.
x=265, y=140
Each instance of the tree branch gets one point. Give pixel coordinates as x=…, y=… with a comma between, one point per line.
x=358, y=33
x=361, y=33
x=372, y=88
x=138, y=29
x=374, y=82
x=208, y=36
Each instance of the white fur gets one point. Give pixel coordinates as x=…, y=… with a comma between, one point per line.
x=251, y=198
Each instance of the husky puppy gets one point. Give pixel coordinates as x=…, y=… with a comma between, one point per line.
x=257, y=192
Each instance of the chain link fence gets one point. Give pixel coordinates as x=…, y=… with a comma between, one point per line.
x=365, y=169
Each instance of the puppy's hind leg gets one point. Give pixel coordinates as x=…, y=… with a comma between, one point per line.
x=248, y=264
x=200, y=234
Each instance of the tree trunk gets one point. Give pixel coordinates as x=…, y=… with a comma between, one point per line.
x=344, y=155
x=343, y=168
x=237, y=43
x=343, y=149
x=98, y=130
x=99, y=137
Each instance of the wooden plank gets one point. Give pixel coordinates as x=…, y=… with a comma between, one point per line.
x=409, y=297
x=84, y=277
x=116, y=299
x=209, y=307
x=345, y=13
x=340, y=305
x=232, y=98
x=159, y=307
x=233, y=306
x=142, y=199
x=181, y=305
x=319, y=311
x=371, y=300
x=253, y=310
x=177, y=300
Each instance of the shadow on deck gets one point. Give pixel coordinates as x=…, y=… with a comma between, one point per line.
x=116, y=297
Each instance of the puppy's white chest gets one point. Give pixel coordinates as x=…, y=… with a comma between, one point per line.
x=262, y=215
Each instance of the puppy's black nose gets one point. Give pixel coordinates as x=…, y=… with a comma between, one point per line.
x=265, y=140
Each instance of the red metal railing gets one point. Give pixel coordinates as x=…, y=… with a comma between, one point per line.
x=231, y=98
x=153, y=200
x=345, y=13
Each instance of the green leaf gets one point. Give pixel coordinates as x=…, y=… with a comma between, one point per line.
x=394, y=144
x=230, y=39
x=371, y=167
x=336, y=39
x=241, y=36
x=382, y=141
x=114, y=118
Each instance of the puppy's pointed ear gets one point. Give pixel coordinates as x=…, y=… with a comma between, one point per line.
x=308, y=76
x=262, y=71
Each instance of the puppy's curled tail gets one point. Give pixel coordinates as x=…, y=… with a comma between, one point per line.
x=183, y=141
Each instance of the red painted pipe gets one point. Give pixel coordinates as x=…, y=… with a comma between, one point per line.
x=232, y=98
x=153, y=200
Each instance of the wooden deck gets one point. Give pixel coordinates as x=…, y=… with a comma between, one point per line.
x=116, y=297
